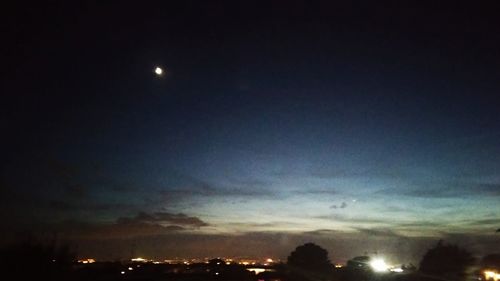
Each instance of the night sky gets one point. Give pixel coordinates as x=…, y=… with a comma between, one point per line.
x=358, y=127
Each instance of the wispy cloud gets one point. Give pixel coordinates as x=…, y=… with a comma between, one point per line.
x=74, y=229
x=162, y=218
x=382, y=232
x=446, y=190
x=341, y=206
x=140, y=225
x=319, y=191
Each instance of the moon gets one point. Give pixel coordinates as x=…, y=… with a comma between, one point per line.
x=158, y=71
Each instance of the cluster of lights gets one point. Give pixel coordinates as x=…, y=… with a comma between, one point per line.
x=489, y=274
x=245, y=262
x=85, y=261
x=258, y=270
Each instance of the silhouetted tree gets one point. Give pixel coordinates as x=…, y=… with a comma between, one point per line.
x=446, y=260
x=310, y=260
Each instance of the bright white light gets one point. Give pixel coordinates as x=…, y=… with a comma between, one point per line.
x=396, y=269
x=256, y=270
x=488, y=275
x=158, y=70
x=123, y=272
x=378, y=265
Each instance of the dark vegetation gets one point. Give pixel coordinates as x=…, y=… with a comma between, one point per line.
x=309, y=261
x=446, y=260
x=35, y=260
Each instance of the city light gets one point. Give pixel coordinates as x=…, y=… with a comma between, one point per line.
x=396, y=269
x=256, y=270
x=488, y=274
x=139, y=260
x=379, y=265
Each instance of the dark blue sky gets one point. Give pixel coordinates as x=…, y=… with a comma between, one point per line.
x=363, y=127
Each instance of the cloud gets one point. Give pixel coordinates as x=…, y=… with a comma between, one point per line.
x=342, y=206
x=446, y=190
x=73, y=229
x=353, y=219
x=319, y=191
x=162, y=218
x=492, y=189
x=185, y=186
x=483, y=222
x=142, y=224
x=85, y=206
x=381, y=232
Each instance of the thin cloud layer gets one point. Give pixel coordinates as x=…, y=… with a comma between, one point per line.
x=141, y=225
x=162, y=218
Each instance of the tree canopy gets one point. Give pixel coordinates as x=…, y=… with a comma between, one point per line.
x=310, y=257
x=446, y=259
